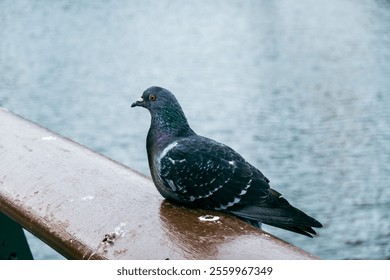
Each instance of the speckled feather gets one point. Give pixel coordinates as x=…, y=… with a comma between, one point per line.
x=199, y=172
x=209, y=174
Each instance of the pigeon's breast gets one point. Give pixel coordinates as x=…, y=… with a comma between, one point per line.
x=155, y=167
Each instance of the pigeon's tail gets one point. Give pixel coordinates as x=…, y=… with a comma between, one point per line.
x=282, y=214
x=290, y=218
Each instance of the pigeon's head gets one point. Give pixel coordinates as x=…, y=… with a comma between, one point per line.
x=157, y=99
x=165, y=110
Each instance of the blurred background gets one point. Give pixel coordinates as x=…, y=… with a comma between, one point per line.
x=299, y=88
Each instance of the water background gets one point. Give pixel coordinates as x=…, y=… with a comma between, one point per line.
x=300, y=88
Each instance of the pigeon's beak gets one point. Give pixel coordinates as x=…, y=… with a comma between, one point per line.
x=139, y=102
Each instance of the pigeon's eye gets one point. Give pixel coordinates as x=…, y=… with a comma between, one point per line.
x=152, y=97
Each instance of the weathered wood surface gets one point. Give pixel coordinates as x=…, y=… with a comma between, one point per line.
x=87, y=206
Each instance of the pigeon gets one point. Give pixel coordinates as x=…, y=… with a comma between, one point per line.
x=199, y=172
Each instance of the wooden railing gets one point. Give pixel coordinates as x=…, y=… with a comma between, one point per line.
x=87, y=206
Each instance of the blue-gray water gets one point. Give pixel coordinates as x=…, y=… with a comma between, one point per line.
x=299, y=88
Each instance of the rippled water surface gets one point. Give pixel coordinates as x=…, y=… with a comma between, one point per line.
x=300, y=88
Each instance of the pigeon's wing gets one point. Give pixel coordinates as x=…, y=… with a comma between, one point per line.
x=208, y=174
